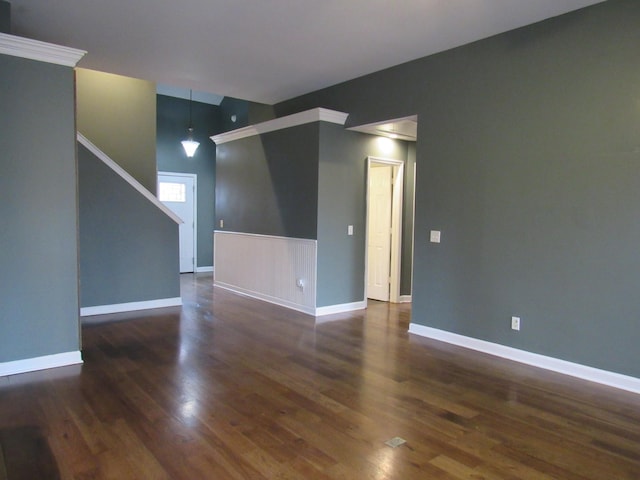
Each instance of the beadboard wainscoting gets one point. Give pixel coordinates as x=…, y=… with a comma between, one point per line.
x=279, y=270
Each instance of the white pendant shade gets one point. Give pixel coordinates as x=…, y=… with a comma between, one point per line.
x=190, y=147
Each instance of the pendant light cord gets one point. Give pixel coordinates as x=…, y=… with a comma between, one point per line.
x=190, y=145
x=190, y=107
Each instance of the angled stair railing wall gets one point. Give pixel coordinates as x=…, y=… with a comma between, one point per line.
x=129, y=250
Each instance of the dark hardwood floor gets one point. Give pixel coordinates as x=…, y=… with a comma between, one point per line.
x=229, y=387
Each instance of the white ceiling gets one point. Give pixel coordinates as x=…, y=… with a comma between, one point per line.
x=267, y=50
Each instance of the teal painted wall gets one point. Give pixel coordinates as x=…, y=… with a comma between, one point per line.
x=268, y=184
x=5, y=17
x=406, y=268
x=528, y=161
x=172, y=124
x=309, y=182
x=234, y=114
x=128, y=247
x=244, y=112
x=39, y=251
x=342, y=201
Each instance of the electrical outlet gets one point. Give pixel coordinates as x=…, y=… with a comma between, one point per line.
x=221, y=223
x=515, y=323
x=300, y=283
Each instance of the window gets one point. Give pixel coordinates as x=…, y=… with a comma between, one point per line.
x=172, y=192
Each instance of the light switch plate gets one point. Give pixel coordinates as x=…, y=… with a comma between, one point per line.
x=350, y=230
x=434, y=236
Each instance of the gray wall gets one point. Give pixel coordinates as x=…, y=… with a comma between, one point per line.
x=406, y=267
x=5, y=17
x=128, y=247
x=233, y=107
x=268, y=184
x=172, y=124
x=342, y=202
x=528, y=160
x=307, y=181
x=38, y=254
x=245, y=112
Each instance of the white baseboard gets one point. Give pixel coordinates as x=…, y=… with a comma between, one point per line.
x=341, y=308
x=130, y=306
x=265, y=298
x=204, y=269
x=345, y=307
x=404, y=299
x=40, y=363
x=604, y=377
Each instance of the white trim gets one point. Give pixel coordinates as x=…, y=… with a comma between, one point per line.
x=306, y=240
x=413, y=225
x=404, y=299
x=127, y=177
x=397, y=203
x=340, y=308
x=308, y=116
x=385, y=161
x=372, y=129
x=264, y=298
x=41, y=51
x=204, y=269
x=194, y=177
x=40, y=363
x=395, y=249
x=317, y=312
x=130, y=306
x=604, y=377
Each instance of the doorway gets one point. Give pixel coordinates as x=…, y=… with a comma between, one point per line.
x=384, y=229
x=178, y=192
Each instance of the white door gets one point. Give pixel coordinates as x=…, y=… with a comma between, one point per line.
x=177, y=192
x=379, y=231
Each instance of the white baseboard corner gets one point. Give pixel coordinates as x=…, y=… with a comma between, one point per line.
x=265, y=298
x=340, y=308
x=604, y=377
x=404, y=299
x=40, y=363
x=130, y=306
x=204, y=269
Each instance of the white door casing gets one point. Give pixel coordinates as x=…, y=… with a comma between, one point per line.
x=393, y=202
x=178, y=192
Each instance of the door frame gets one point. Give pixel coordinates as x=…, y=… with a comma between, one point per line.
x=397, y=197
x=194, y=176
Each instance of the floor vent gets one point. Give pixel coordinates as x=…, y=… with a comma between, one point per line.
x=395, y=442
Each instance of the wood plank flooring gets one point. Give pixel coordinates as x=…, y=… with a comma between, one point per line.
x=228, y=387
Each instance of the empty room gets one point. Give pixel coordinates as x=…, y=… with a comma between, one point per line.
x=320, y=240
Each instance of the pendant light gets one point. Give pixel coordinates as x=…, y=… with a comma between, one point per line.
x=190, y=145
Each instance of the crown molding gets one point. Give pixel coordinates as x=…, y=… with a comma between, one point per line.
x=41, y=51
x=308, y=116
